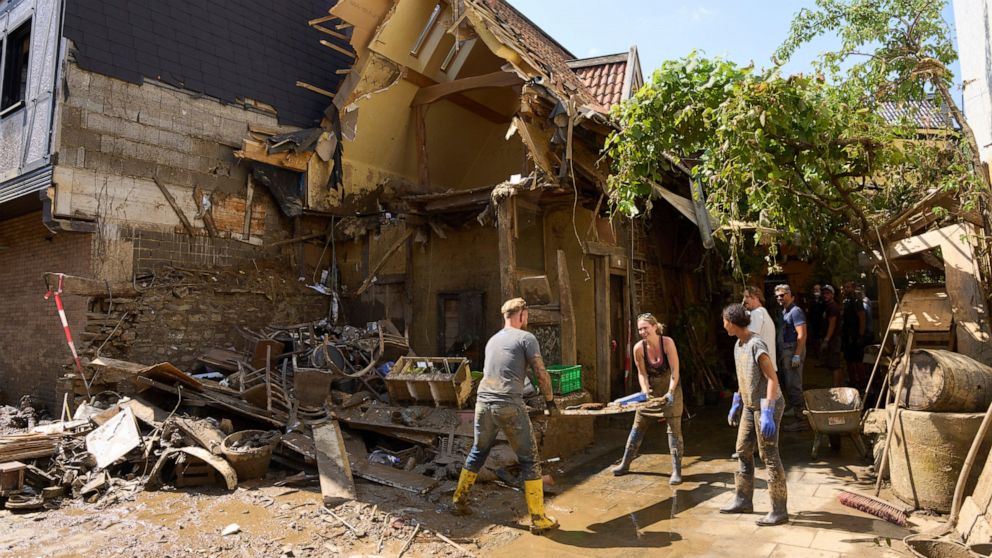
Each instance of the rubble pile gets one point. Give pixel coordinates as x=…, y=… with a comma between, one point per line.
x=304, y=404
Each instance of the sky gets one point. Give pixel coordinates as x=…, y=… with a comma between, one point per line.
x=667, y=29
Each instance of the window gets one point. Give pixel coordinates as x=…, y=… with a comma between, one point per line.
x=16, y=51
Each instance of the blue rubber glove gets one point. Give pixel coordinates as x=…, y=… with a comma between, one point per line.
x=768, y=427
x=735, y=408
x=796, y=361
x=667, y=399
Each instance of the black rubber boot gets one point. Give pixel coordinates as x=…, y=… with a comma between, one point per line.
x=676, y=451
x=629, y=452
x=742, y=498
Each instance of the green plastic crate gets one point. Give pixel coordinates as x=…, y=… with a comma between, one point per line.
x=565, y=379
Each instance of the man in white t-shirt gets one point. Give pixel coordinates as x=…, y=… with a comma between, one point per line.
x=761, y=321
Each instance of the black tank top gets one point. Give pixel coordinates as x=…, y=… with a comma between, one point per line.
x=659, y=369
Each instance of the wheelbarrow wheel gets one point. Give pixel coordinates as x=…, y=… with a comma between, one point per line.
x=817, y=445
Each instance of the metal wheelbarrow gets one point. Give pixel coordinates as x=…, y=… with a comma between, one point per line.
x=834, y=411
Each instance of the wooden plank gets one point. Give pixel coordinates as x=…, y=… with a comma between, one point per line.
x=315, y=89
x=206, y=211
x=336, y=481
x=175, y=207
x=568, y=343
x=601, y=249
x=202, y=432
x=602, y=297
x=507, y=250
x=340, y=49
x=432, y=93
x=289, y=160
x=396, y=478
x=84, y=286
x=330, y=32
x=423, y=162
x=249, y=196
x=536, y=143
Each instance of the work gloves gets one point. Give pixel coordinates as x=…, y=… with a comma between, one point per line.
x=796, y=361
x=733, y=419
x=667, y=399
x=768, y=427
x=551, y=409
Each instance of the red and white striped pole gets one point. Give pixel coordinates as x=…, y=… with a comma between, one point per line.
x=65, y=327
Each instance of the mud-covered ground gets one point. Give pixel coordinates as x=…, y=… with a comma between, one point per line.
x=601, y=515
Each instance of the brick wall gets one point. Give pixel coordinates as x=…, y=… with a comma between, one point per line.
x=32, y=344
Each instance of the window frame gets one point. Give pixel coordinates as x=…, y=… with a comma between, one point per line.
x=15, y=107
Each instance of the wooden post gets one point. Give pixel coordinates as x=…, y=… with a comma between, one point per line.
x=420, y=127
x=249, y=197
x=602, y=296
x=568, y=348
x=507, y=250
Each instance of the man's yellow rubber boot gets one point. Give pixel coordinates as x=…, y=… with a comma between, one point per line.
x=460, y=498
x=534, y=492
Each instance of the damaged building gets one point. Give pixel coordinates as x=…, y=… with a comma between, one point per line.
x=403, y=161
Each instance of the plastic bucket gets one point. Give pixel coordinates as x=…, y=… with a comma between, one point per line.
x=249, y=463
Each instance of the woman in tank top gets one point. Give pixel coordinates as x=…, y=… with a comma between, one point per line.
x=657, y=362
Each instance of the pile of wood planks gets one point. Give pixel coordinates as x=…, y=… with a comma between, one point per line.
x=19, y=447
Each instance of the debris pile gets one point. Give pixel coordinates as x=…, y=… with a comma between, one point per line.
x=304, y=404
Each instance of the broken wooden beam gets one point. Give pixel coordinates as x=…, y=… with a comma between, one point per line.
x=382, y=261
x=336, y=481
x=340, y=49
x=568, y=342
x=289, y=160
x=315, y=89
x=175, y=207
x=84, y=286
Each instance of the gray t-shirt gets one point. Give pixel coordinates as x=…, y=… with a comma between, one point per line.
x=752, y=383
x=507, y=355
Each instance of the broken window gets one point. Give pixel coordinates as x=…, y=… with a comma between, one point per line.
x=530, y=237
x=16, y=51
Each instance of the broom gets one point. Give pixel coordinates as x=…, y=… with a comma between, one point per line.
x=872, y=504
x=881, y=509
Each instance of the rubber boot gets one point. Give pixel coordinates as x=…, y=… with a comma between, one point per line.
x=534, y=493
x=779, y=513
x=676, y=452
x=629, y=451
x=460, y=497
x=742, y=498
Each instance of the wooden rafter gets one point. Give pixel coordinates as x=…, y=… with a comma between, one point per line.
x=432, y=93
x=459, y=99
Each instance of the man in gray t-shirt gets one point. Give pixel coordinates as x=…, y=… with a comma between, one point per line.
x=500, y=406
x=507, y=355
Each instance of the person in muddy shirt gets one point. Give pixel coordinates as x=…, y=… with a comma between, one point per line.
x=760, y=399
x=500, y=406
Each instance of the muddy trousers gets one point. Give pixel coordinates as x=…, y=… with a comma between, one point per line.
x=512, y=419
x=748, y=435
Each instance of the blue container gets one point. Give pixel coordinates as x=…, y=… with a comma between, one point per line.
x=638, y=397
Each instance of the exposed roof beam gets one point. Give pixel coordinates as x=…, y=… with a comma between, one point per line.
x=432, y=93
x=466, y=103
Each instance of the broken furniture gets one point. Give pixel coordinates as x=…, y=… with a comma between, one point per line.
x=438, y=381
x=11, y=477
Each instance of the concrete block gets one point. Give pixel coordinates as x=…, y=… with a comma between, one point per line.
x=174, y=141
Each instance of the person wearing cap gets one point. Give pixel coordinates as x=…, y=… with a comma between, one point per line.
x=830, y=353
x=500, y=407
x=792, y=354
